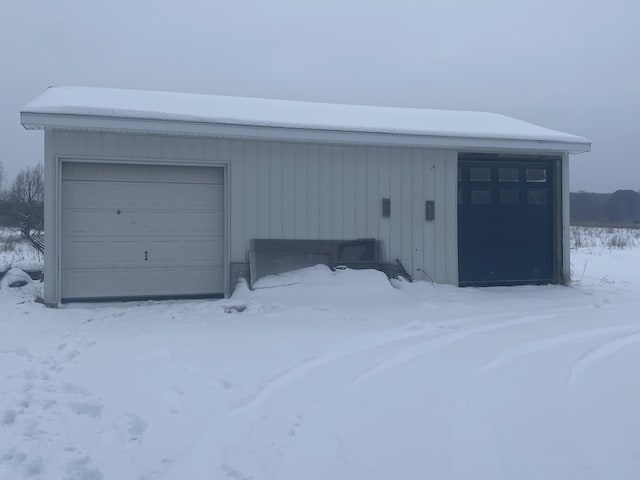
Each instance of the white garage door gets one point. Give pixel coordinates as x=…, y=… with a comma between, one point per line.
x=141, y=231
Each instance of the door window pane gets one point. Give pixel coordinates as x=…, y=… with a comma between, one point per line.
x=481, y=197
x=480, y=174
x=509, y=174
x=536, y=175
x=509, y=197
x=537, y=197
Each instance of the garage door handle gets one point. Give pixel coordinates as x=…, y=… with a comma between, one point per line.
x=145, y=256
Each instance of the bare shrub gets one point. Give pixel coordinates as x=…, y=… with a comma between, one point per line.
x=603, y=237
x=618, y=241
x=23, y=205
x=8, y=245
x=9, y=239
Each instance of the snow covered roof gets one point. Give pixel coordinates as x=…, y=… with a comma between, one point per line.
x=108, y=108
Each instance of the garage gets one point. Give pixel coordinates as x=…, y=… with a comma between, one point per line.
x=507, y=208
x=144, y=231
x=162, y=195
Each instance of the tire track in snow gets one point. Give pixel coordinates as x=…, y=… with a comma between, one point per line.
x=466, y=413
x=418, y=350
x=582, y=403
x=298, y=371
x=474, y=426
x=406, y=357
x=285, y=378
x=524, y=349
x=244, y=423
x=405, y=348
x=601, y=353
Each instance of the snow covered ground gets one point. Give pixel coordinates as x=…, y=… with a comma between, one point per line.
x=331, y=375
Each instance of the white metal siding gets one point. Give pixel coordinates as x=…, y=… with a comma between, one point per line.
x=335, y=192
x=141, y=230
x=303, y=191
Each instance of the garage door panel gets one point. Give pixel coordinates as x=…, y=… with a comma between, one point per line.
x=94, y=284
x=202, y=197
x=127, y=223
x=160, y=222
x=90, y=222
x=109, y=172
x=126, y=173
x=136, y=223
x=193, y=175
x=202, y=223
x=174, y=223
x=204, y=253
x=83, y=171
x=126, y=253
x=113, y=214
x=166, y=253
x=167, y=195
x=195, y=281
x=115, y=195
x=102, y=253
x=92, y=198
x=175, y=196
x=505, y=238
x=86, y=194
x=83, y=222
x=192, y=253
x=127, y=282
x=134, y=283
x=142, y=195
x=84, y=253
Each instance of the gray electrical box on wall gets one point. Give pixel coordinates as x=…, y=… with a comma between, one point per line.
x=386, y=207
x=430, y=210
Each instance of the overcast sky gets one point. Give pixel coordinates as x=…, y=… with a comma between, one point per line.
x=570, y=65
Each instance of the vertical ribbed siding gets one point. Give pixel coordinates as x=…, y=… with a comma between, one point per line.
x=381, y=156
x=312, y=183
x=419, y=236
x=411, y=203
x=360, y=192
x=250, y=190
x=310, y=191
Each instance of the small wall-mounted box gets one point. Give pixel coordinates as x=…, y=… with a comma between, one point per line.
x=386, y=207
x=430, y=210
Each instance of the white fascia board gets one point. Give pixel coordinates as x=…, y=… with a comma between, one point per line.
x=41, y=121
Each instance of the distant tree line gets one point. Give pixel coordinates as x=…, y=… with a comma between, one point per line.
x=621, y=207
x=22, y=203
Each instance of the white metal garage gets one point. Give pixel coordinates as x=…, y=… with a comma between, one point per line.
x=152, y=194
x=141, y=231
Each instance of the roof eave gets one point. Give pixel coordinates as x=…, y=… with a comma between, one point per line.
x=42, y=121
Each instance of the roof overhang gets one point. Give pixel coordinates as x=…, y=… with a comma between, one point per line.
x=56, y=121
